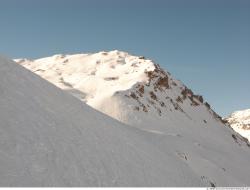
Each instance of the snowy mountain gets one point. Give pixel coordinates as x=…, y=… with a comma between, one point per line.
x=240, y=122
x=131, y=89
x=50, y=138
x=168, y=137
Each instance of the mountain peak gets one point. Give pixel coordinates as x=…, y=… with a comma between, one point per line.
x=128, y=81
x=113, y=71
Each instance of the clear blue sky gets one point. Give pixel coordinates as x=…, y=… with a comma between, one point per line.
x=204, y=43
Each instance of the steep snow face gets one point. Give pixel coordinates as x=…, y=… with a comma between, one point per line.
x=50, y=138
x=240, y=122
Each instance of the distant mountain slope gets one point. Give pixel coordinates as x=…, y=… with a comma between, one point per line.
x=240, y=122
x=178, y=134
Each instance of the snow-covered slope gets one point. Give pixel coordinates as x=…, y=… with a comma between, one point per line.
x=175, y=138
x=240, y=122
x=49, y=138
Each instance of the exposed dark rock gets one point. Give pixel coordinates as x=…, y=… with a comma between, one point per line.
x=200, y=98
x=158, y=111
x=133, y=95
x=246, y=126
x=144, y=108
x=152, y=95
x=162, y=82
x=207, y=105
x=186, y=92
x=162, y=104
x=66, y=61
x=136, y=108
x=194, y=103
x=161, y=78
x=173, y=83
x=212, y=184
x=237, y=137
x=178, y=99
x=141, y=89
x=111, y=78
